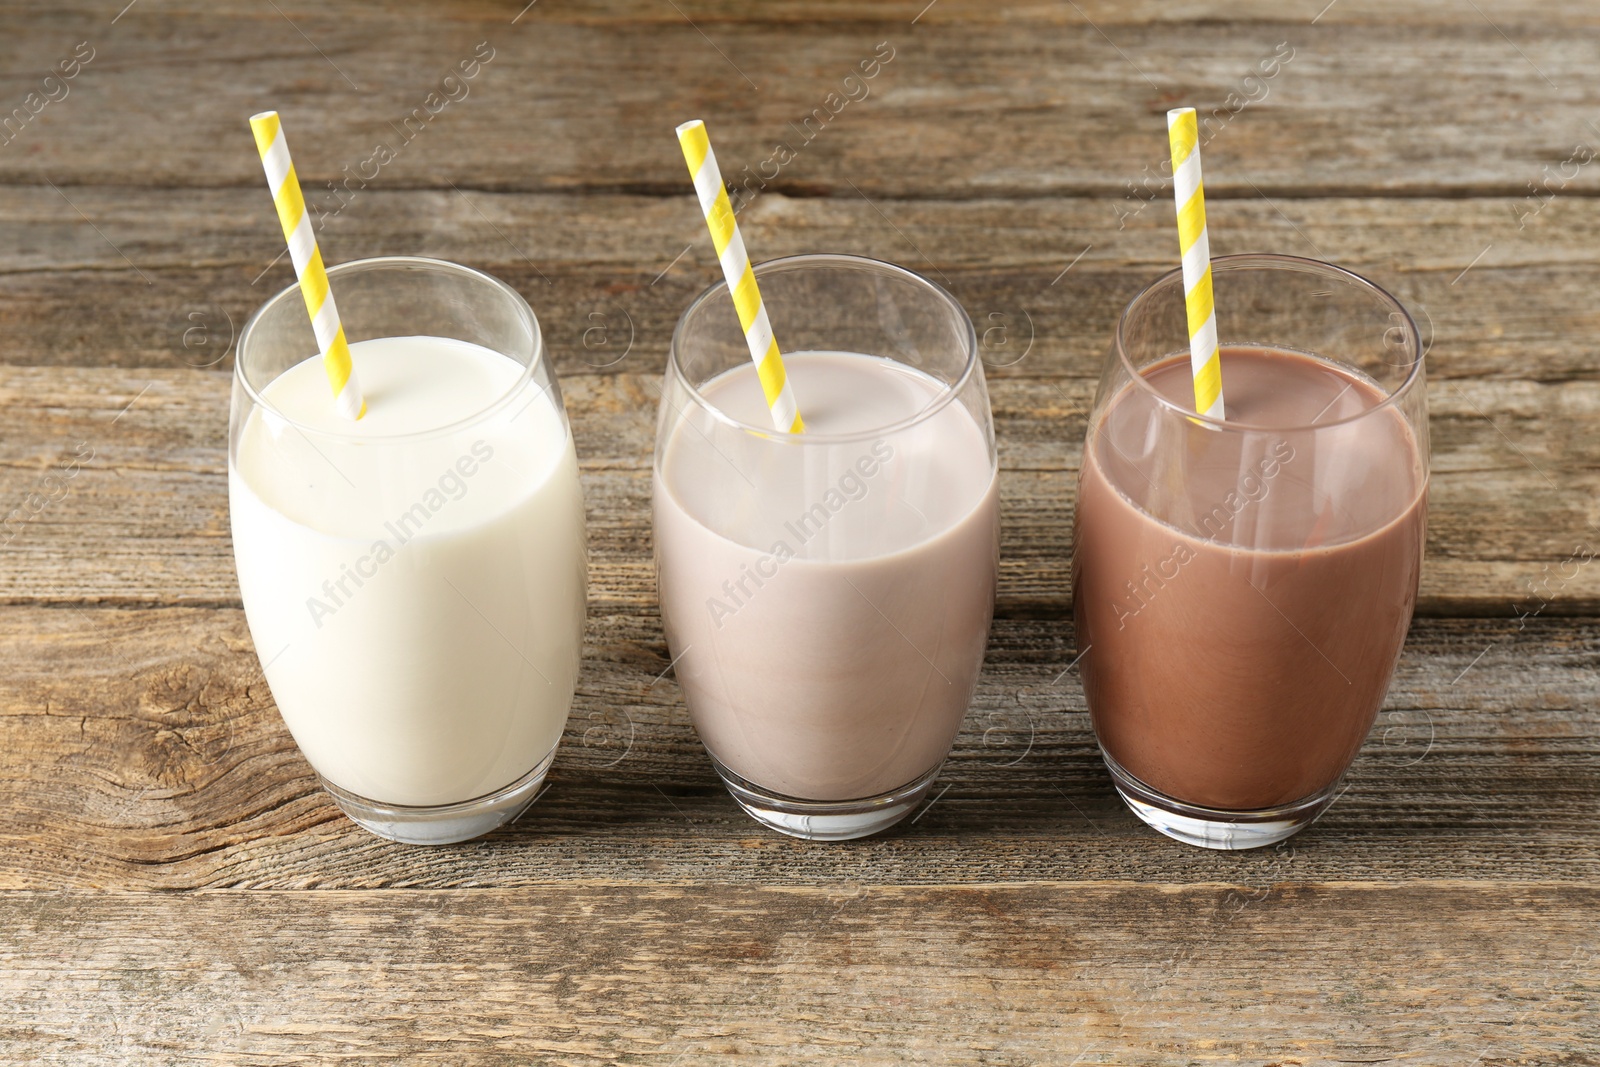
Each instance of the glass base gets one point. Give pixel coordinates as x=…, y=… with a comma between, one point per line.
x=1212, y=828
x=826, y=820
x=442, y=824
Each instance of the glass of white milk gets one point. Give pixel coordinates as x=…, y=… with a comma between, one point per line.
x=414, y=581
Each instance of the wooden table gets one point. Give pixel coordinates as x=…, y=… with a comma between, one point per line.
x=175, y=888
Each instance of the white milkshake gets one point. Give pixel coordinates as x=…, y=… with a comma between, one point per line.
x=414, y=581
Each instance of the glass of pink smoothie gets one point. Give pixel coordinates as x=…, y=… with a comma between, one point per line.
x=1242, y=587
x=827, y=595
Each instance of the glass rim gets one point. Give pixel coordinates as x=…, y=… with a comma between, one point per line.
x=947, y=390
x=518, y=302
x=1270, y=261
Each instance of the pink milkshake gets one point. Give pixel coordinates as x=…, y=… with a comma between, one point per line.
x=829, y=650
x=827, y=595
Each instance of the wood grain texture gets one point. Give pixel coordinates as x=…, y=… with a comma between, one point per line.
x=1435, y=974
x=142, y=749
x=1027, y=105
x=972, y=13
x=174, y=888
x=602, y=271
x=143, y=520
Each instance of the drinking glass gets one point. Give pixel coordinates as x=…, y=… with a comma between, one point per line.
x=827, y=595
x=1243, y=586
x=416, y=596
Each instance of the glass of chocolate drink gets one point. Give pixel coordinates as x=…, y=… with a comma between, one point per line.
x=1242, y=586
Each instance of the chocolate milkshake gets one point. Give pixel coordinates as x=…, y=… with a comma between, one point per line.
x=1241, y=595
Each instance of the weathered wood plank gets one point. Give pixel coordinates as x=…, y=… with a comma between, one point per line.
x=999, y=105
x=141, y=749
x=608, y=275
x=1573, y=13
x=1440, y=914
x=590, y=974
x=143, y=520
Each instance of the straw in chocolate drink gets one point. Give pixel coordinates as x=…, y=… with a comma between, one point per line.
x=1205, y=356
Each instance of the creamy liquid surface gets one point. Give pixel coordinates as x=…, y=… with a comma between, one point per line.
x=1240, y=646
x=828, y=606
x=418, y=607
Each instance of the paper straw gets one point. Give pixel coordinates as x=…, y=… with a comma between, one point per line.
x=741, y=279
x=308, y=267
x=1205, y=358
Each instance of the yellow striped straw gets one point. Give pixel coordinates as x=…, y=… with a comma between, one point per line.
x=741, y=278
x=308, y=267
x=1205, y=358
